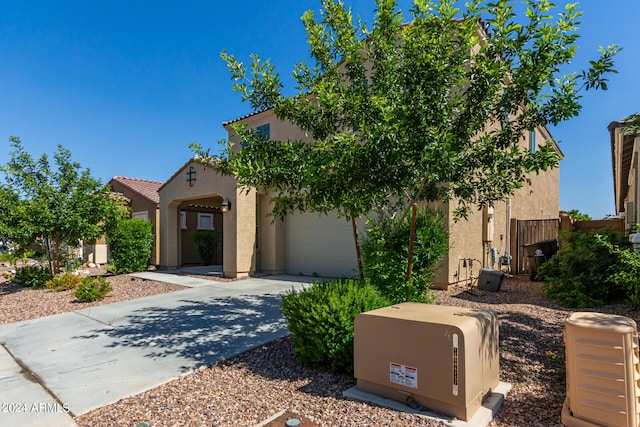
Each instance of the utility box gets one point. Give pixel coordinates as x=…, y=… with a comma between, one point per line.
x=602, y=371
x=443, y=358
x=490, y=280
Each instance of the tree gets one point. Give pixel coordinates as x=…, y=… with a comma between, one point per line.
x=579, y=216
x=433, y=110
x=58, y=206
x=632, y=124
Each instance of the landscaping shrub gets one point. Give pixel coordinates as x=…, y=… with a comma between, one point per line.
x=206, y=242
x=385, y=255
x=31, y=276
x=93, y=288
x=592, y=269
x=63, y=282
x=130, y=242
x=320, y=319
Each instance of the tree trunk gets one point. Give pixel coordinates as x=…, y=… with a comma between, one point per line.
x=412, y=238
x=356, y=240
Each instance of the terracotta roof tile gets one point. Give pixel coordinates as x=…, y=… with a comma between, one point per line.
x=145, y=187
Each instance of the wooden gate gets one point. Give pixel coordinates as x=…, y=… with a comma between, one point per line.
x=525, y=232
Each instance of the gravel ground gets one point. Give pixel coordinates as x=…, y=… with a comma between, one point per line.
x=18, y=303
x=253, y=386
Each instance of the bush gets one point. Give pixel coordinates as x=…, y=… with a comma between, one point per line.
x=93, y=288
x=320, y=319
x=63, y=282
x=385, y=255
x=130, y=242
x=32, y=276
x=206, y=242
x=591, y=270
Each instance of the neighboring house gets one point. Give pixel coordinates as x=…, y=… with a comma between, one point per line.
x=142, y=199
x=625, y=152
x=313, y=244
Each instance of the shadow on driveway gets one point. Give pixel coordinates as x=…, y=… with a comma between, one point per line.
x=200, y=332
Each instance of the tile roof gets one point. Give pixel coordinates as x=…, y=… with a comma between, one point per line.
x=145, y=187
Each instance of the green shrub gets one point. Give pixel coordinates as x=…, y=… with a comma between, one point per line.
x=93, y=288
x=591, y=270
x=206, y=242
x=63, y=282
x=385, y=255
x=32, y=276
x=320, y=319
x=130, y=242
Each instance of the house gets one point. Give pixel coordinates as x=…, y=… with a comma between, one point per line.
x=625, y=152
x=323, y=245
x=141, y=196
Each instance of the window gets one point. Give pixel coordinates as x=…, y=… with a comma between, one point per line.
x=183, y=220
x=205, y=221
x=532, y=141
x=263, y=132
x=141, y=215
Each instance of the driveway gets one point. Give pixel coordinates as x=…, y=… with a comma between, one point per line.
x=86, y=359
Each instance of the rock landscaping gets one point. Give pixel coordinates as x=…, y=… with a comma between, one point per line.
x=257, y=385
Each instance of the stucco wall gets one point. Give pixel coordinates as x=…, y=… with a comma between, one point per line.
x=238, y=224
x=540, y=200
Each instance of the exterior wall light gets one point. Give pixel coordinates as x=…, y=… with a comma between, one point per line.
x=225, y=206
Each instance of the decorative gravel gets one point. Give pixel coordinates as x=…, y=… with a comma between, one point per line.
x=18, y=303
x=254, y=386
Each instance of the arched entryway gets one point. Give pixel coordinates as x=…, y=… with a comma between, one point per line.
x=199, y=216
x=196, y=194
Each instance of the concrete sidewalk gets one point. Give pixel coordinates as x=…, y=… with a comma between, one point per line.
x=96, y=356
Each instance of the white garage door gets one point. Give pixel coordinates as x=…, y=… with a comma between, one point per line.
x=321, y=245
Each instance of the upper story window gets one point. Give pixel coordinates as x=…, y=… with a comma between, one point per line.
x=263, y=132
x=532, y=141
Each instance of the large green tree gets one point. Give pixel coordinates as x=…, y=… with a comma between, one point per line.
x=58, y=206
x=402, y=113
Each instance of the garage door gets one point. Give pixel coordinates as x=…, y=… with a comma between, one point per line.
x=320, y=245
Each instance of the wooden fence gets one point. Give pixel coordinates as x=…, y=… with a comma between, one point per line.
x=525, y=232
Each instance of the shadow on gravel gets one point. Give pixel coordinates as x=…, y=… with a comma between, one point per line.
x=276, y=361
x=201, y=333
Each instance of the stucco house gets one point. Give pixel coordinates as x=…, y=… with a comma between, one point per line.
x=312, y=244
x=625, y=152
x=142, y=199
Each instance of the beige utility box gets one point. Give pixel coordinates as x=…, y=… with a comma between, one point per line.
x=445, y=358
x=602, y=371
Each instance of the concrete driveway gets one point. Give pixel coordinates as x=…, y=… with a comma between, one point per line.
x=72, y=363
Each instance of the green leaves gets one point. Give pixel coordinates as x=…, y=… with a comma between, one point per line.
x=61, y=205
x=130, y=243
x=402, y=113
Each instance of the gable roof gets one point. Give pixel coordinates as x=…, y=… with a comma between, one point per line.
x=146, y=188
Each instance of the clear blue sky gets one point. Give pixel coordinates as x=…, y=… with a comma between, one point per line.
x=127, y=85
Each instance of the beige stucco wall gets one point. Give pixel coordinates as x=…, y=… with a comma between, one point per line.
x=238, y=237
x=540, y=200
x=279, y=130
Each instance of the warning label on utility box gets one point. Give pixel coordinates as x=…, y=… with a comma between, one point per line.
x=403, y=375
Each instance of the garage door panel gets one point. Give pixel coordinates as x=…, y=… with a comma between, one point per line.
x=320, y=245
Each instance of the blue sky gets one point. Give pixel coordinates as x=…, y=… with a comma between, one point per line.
x=127, y=85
